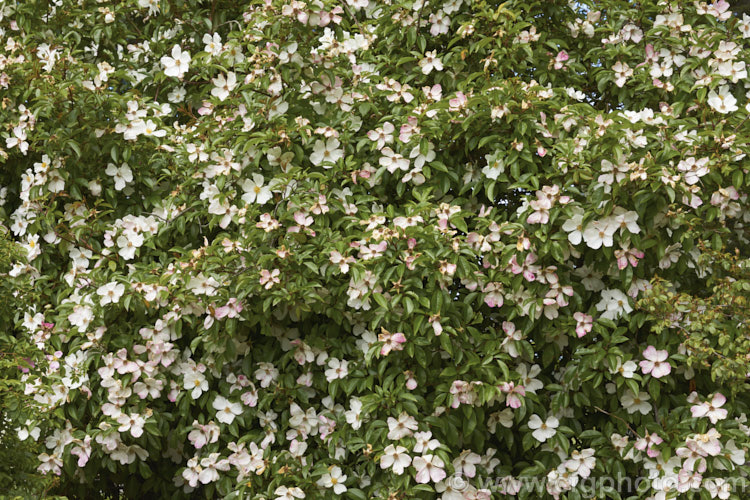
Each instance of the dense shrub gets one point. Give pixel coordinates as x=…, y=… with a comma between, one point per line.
x=379, y=249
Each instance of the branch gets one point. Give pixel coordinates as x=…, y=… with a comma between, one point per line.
x=619, y=418
x=419, y=22
x=354, y=18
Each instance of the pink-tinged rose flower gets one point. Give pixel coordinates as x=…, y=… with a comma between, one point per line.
x=493, y=294
x=584, y=325
x=655, y=363
x=269, y=278
x=206, y=109
x=391, y=341
x=457, y=102
x=429, y=468
x=647, y=444
x=560, y=59
x=625, y=256
x=513, y=394
x=711, y=409
x=411, y=382
x=232, y=309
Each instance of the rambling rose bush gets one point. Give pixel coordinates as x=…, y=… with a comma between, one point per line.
x=309, y=249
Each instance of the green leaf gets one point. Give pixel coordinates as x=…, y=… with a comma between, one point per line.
x=446, y=344
x=356, y=494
